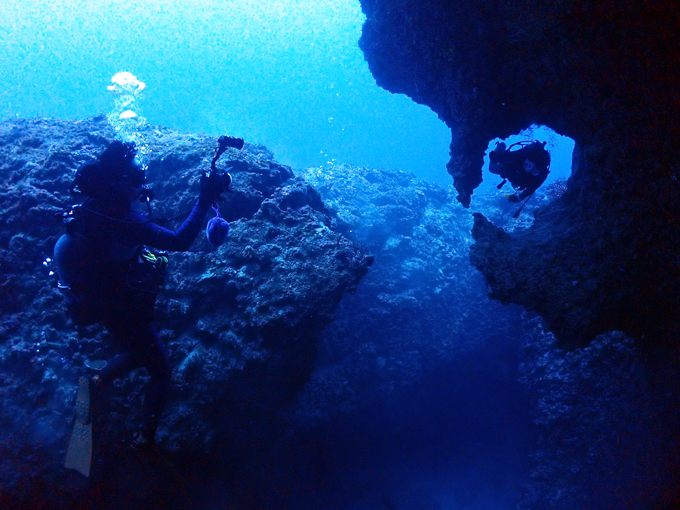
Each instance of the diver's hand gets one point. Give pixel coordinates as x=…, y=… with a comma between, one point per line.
x=513, y=198
x=211, y=187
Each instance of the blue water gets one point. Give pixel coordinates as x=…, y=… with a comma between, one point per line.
x=284, y=73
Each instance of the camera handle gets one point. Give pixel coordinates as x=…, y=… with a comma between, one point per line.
x=223, y=143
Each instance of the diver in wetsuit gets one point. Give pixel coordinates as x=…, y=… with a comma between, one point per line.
x=117, y=279
x=526, y=168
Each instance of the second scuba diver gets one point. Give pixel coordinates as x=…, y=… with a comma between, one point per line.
x=526, y=168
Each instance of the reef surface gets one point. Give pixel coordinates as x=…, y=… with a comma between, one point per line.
x=241, y=323
x=475, y=401
x=605, y=256
x=302, y=377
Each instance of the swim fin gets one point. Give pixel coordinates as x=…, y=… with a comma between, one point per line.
x=79, y=453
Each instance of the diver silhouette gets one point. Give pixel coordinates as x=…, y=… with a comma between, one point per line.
x=108, y=275
x=526, y=168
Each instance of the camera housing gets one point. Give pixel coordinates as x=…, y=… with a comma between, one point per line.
x=223, y=143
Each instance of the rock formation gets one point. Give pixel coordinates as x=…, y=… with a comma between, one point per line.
x=275, y=406
x=241, y=323
x=604, y=256
x=420, y=355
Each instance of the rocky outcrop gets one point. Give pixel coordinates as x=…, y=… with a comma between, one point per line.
x=422, y=302
x=603, y=412
x=602, y=73
x=421, y=390
x=420, y=355
x=241, y=323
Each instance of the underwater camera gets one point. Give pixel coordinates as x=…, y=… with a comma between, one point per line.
x=224, y=143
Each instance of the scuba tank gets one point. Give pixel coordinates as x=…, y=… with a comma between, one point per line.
x=75, y=266
x=68, y=256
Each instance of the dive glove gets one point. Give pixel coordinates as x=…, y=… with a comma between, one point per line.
x=212, y=186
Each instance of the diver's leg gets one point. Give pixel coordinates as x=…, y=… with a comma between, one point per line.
x=124, y=335
x=120, y=365
x=144, y=348
x=151, y=355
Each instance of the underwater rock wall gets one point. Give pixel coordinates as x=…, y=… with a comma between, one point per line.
x=422, y=305
x=240, y=323
x=416, y=384
x=419, y=355
x=605, y=415
x=603, y=73
x=288, y=389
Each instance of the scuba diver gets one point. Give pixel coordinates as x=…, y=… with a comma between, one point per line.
x=108, y=276
x=526, y=168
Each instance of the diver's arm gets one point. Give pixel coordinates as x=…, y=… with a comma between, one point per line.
x=152, y=234
x=182, y=238
x=535, y=184
x=527, y=192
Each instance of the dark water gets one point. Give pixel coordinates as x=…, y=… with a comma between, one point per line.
x=461, y=438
